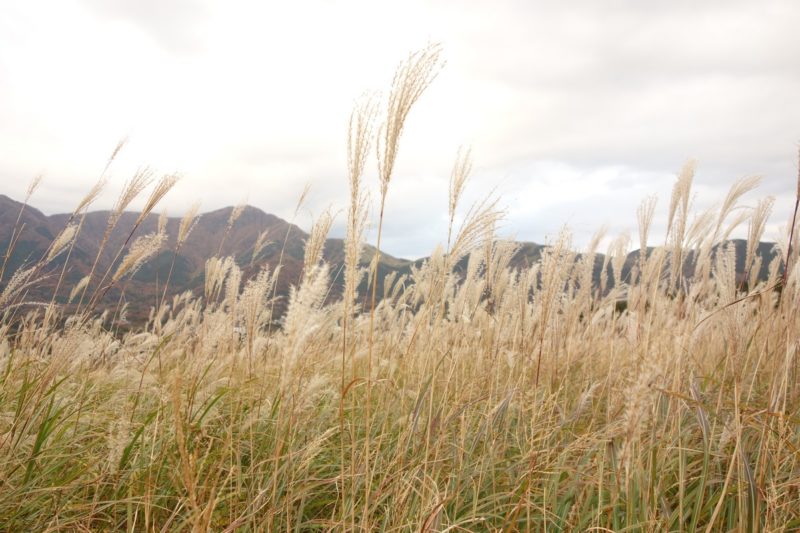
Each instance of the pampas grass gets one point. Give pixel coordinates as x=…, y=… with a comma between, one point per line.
x=316, y=242
x=660, y=417
x=141, y=250
x=61, y=241
x=259, y=246
x=140, y=180
x=792, y=225
x=17, y=231
x=478, y=394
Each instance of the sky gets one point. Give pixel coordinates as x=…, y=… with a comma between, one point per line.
x=574, y=111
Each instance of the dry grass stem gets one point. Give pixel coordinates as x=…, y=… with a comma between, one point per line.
x=492, y=386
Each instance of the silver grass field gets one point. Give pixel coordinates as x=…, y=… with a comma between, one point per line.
x=469, y=396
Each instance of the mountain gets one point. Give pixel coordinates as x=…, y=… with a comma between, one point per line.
x=207, y=239
x=37, y=232
x=529, y=253
x=210, y=237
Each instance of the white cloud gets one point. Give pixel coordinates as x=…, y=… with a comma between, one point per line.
x=574, y=110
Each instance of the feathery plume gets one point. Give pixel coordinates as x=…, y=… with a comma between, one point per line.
x=78, y=288
x=586, y=276
x=758, y=222
x=261, y=243
x=19, y=280
x=677, y=220
x=618, y=251
x=701, y=227
x=140, y=251
x=32, y=186
x=233, y=283
x=188, y=223
x=17, y=229
x=644, y=216
x=305, y=303
x=162, y=222
x=90, y=197
x=638, y=408
x=316, y=242
x=792, y=227
x=302, y=199
x=411, y=79
x=236, y=212
x=163, y=186
x=458, y=178
x=679, y=201
x=478, y=225
x=114, y=153
x=140, y=180
x=216, y=271
x=359, y=137
x=458, y=181
x=61, y=242
x=738, y=189
x=740, y=218
x=359, y=141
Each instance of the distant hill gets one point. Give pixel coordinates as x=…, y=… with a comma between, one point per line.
x=205, y=241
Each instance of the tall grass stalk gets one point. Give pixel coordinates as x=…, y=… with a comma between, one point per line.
x=411, y=79
x=483, y=390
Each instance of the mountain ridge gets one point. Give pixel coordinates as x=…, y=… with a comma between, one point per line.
x=209, y=237
x=212, y=237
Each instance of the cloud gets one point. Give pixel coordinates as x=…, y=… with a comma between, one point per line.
x=172, y=23
x=574, y=111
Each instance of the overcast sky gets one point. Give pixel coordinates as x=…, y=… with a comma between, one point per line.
x=575, y=110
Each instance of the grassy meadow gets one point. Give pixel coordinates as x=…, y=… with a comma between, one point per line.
x=468, y=396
